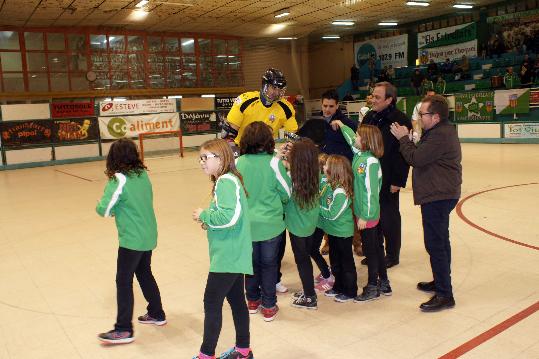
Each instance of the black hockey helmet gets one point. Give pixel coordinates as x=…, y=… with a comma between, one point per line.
x=274, y=77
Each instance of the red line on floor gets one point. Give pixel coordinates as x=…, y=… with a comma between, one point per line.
x=465, y=219
x=506, y=324
x=481, y=338
x=72, y=175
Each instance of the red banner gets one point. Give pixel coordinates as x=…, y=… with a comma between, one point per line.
x=534, y=97
x=71, y=109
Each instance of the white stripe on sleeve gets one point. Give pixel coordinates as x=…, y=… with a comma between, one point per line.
x=116, y=195
x=237, y=210
x=274, y=163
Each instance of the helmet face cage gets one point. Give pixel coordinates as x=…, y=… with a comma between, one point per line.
x=275, y=79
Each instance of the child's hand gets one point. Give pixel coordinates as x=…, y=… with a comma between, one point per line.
x=196, y=214
x=336, y=124
x=283, y=150
x=361, y=224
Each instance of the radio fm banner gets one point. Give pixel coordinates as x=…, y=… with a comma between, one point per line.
x=474, y=106
x=72, y=109
x=75, y=130
x=198, y=122
x=134, y=107
x=390, y=51
x=448, y=43
x=24, y=133
x=131, y=126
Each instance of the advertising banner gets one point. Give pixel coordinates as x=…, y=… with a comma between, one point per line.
x=449, y=42
x=24, y=133
x=131, y=126
x=508, y=102
x=198, y=122
x=534, y=97
x=474, y=106
x=390, y=51
x=35, y=111
x=74, y=130
x=72, y=109
x=521, y=130
x=134, y=107
x=223, y=103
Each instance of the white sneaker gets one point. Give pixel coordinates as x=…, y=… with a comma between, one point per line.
x=280, y=288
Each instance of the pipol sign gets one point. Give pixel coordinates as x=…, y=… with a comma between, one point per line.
x=24, y=133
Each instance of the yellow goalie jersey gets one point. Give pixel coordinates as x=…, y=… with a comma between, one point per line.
x=249, y=108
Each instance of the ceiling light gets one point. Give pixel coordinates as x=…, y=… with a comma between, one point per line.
x=287, y=38
x=142, y=3
x=417, y=3
x=282, y=13
x=387, y=23
x=463, y=6
x=119, y=99
x=328, y=37
x=188, y=42
x=138, y=15
x=211, y=95
x=175, y=96
x=343, y=23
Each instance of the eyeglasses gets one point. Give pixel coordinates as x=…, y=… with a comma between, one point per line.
x=204, y=158
x=421, y=114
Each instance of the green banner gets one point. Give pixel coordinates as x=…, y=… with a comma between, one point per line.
x=524, y=15
x=513, y=101
x=401, y=104
x=474, y=106
x=465, y=34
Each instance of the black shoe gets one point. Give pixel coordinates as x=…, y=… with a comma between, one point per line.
x=391, y=262
x=364, y=261
x=305, y=302
x=426, y=286
x=437, y=303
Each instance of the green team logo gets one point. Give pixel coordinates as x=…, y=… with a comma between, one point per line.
x=117, y=127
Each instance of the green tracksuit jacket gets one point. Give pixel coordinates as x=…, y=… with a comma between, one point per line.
x=336, y=217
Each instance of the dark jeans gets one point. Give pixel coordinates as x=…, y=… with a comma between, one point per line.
x=218, y=287
x=435, y=217
x=301, y=246
x=282, y=249
x=342, y=265
x=139, y=263
x=373, y=249
x=261, y=285
x=317, y=257
x=390, y=221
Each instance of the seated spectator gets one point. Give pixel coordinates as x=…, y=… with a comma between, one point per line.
x=432, y=70
x=391, y=73
x=465, y=66
x=447, y=67
x=426, y=86
x=354, y=77
x=348, y=97
x=383, y=75
x=509, y=78
x=526, y=72
x=439, y=86
x=416, y=80
x=457, y=71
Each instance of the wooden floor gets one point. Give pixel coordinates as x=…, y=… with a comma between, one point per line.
x=58, y=258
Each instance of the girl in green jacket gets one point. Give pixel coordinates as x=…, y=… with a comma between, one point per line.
x=229, y=237
x=338, y=222
x=301, y=215
x=128, y=198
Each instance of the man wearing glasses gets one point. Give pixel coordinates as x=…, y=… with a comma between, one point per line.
x=437, y=178
x=394, y=169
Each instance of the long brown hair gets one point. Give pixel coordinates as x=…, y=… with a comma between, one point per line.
x=223, y=151
x=371, y=140
x=339, y=174
x=304, y=170
x=124, y=158
x=257, y=138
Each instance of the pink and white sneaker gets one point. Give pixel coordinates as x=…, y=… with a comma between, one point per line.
x=318, y=278
x=325, y=284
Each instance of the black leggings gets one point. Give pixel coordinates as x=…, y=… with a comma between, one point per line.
x=373, y=249
x=342, y=265
x=218, y=287
x=301, y=246
x=317, y=257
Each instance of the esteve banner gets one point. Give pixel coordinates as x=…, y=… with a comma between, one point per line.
x=134, y=107
x=390, y=51
x=131, y=126
x=449, y=42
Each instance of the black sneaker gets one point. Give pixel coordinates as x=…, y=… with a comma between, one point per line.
x=116, y=337
x=426, y=286
x=296, y=295
x=384, y=287
x=232, y=353
x=147, y=319
x=306, y=302
x=370, y=292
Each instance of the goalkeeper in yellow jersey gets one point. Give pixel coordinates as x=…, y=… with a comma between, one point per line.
x=267, y=105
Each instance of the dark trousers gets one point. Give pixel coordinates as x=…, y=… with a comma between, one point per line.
x=282, y=250
x=218, y=287
x=301, y=246
x=435, y=216
x=390, y=221
x=373, y=249
x=261, y=285
x=343, y=267
x=139, y=263
x=317, y=257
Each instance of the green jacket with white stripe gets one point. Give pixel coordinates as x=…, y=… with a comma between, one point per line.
x=336, y=217
x=367, y=180
x=129, y=199
x=229, y=228
x=301, y=222
x=268, y=186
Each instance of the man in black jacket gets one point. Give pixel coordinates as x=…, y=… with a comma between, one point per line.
x=394, y=167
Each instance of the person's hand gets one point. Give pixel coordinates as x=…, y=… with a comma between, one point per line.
x=283, y=150
x=394, y=189
x=361, y=224
x=196, y=214
x=335, y=125
x=398, y=131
